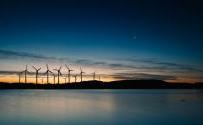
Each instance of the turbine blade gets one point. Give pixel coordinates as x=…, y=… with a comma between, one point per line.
x=67, y=67
x=47, y=66
x=34, y=67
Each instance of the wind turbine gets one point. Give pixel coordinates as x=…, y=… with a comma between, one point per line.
x=19, y=75
x=69, y=70
x=81, y=72
x=75, y=76
x=99, y=78
x=37, y=72
x=42, y=80
x=26, y=71
x=47, y=73
x=54, y=77
x=59, y=73
x=94, y=75
x=65, y=79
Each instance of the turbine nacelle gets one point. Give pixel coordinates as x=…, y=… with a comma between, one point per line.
x=59, y=73
x=69, y=70
x=36, y=68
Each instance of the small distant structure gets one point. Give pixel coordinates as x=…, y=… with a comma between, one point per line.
x=81, y=74
x=58, y=73
x=36, y=74
x=94, y=76
x=69, y=71
x=54, y=78
x=42, y=80
x=25, y=71
x=65, y=78
x=19, y=77
x=47, y=73
x=99, y=78
x=75, y=76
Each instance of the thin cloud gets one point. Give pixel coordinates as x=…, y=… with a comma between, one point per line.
x=9, y=72
x=123, y=64
x=89, y=62
x=5, y=54
x=4, y=73
x=132, y=76
x=153, y=63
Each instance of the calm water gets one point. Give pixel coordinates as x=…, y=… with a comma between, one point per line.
x=101, y=107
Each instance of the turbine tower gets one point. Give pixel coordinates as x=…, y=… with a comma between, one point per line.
x=26, y=71
x=94, y=76
x=37, y=72
x=54, y=77
x=47, y=73
x=99, y=78
x=69, y=71
x=65, y=79
x=75, y=76
x=58, y=73
x=42, y=80
x=81, y=72
x=19, y=76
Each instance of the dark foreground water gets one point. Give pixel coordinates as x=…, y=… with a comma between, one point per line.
x=101, y=107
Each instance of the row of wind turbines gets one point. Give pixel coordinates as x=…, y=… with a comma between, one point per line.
x=58, y=74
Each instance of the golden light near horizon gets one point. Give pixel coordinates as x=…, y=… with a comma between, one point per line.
x=86, y=77
x=101, y=74
x=110, y=70
x=88, y=72
x=43, y=79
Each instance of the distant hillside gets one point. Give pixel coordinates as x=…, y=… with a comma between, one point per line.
x=124, y=84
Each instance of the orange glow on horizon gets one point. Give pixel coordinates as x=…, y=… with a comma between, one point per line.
x=43, y=80
x=106, y=78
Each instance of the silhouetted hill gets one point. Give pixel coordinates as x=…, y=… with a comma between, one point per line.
x=124, y=84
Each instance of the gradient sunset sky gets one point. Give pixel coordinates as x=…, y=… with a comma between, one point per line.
x=119, y=39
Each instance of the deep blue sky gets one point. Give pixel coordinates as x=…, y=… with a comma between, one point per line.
x=169, y=31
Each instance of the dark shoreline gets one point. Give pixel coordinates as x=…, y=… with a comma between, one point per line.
x=125, y=84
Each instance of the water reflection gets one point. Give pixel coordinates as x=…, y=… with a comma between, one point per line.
x=101, y=107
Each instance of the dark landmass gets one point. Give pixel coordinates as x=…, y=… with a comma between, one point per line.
x=124, y=84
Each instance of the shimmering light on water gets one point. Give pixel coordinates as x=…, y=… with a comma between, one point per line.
x=140, y=107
